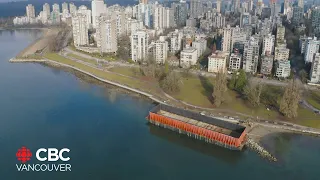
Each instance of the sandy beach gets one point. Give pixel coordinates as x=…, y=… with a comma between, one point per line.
x=39, y=44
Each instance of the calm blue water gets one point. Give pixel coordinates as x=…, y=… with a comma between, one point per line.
x=107, y=133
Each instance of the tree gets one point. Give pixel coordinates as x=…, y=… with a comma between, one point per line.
x=238, y=81
x=166, y=67
x=123, y=47
x=149, y=70
x=303, y=75
x=253, y=92
x=232, y=82
x=241, y=81
x=171, y=82
x=220, y=87
x=290, y=100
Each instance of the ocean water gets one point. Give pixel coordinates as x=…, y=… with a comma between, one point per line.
x=106, y=131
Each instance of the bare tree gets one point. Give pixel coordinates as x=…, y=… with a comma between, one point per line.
x=290, y=100
x=123, y=47
x=57, y=42
x=150, y=69
x=253, y=92
x=171, y=82
x=219, y=88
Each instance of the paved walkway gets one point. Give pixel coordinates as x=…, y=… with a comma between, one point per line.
x=309, y=106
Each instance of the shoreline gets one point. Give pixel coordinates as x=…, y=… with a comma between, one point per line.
x=40, y=43
x=276, y=128
x=253, y=143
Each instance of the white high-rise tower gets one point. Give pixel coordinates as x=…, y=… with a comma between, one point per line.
x=98, y=7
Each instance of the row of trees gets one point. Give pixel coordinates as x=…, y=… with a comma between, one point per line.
x=169, y=80
x=252, y=91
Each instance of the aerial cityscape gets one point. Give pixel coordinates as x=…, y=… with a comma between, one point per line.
x=240, y=74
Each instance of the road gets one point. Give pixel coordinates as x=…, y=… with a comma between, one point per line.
x=309, y=106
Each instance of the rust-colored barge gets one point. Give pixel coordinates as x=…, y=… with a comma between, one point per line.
x=211, y=130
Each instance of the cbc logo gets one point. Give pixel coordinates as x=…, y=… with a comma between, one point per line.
x=52, y=154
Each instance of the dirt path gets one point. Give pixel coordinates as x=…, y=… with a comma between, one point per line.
x=40, y=43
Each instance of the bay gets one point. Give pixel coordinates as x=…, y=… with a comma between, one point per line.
x=106, y=131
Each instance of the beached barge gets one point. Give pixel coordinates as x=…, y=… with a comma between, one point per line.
x=211, y=130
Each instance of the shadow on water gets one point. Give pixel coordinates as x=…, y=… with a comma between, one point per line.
x=279, y=144
x=196, y=145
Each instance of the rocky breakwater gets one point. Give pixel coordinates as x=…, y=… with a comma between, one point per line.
x=260, y=150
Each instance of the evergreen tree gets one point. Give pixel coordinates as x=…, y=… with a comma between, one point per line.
x=232, y=82
x=241, y=81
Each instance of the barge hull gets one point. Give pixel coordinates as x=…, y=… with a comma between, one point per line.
x=191, y=130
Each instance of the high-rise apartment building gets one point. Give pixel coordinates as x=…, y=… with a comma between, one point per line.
x=315, y=69
x=251, y=55
x=283, y=69
x=160, y=50
x=250, y=5
x=133, y=25
x=120, y=17
x=245, y=19
x=217, y=62
x=239, y=37
x=80, y=30
x=107, y=35
x=311, y=48
x=268, y=45
x=46, y=9
x=139, y=46
x=180, y=13
x=301, y=4
x=235, y=6
x=196, y=8
x=98, y=7
x=235, y=61
x=218, y=4
x=266, y=65
x=158, y=17
x=31, y=14
x=73, y=9
x=84, y=10
x=65, y=8
x=175, y=41
x=200, y=45
x=281, y=52
x=227, y=39
x=218, y=21
x=281, y=30
x=297, y=15
x=315, y=19
x=188, y=57
x=56, y=7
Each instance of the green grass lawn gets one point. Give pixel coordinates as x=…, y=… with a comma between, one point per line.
x=102, y=74
x=236, y=103
x=314, y=99
x=128, y=71
x=91, y=61
x=195, y=91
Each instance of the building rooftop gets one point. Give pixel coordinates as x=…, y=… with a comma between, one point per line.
x=189, y=50
x=218, y=54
